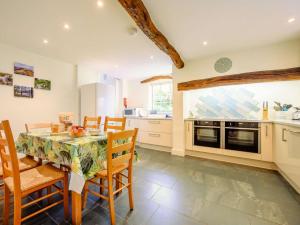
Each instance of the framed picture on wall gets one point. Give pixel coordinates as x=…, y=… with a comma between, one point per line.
x=22, y=91
x=42, y=84
x=23, y=69
x=6, y=79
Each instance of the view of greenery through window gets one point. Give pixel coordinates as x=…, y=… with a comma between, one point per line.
x=162, y=97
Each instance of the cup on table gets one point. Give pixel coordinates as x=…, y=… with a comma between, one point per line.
x=54, y=128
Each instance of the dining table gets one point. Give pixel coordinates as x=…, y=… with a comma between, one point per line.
x=84, y=156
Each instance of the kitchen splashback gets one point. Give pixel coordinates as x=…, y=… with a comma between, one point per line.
x=240, y=101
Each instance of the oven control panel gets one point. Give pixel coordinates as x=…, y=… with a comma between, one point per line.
x=242, y=124
x=207, y=123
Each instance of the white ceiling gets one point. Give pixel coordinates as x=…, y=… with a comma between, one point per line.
x=99, y=38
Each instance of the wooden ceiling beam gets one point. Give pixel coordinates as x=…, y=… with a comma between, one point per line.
x=155, y=78
x=243, y=78
x=137, y=10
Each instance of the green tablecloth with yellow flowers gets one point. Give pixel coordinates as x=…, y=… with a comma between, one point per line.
x=85, y=155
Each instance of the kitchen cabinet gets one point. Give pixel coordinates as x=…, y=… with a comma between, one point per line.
x=189, y=135
x=152, y=131
x=287, y=153
x=266, y=137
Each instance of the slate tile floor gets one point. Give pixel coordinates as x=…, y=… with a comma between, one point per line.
x=170, y=190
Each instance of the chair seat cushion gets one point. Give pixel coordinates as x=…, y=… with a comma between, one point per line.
x=24, y=164
x=115, y=170
x=40, y=176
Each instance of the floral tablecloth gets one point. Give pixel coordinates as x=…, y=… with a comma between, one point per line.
x=85, y=155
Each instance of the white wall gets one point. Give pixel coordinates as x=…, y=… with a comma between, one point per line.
x=277, y=56
x=45, y=105
x=138, y=94
x=87, y=75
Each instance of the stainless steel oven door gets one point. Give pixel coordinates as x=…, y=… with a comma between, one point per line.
x=208, y=136
x=242, y=139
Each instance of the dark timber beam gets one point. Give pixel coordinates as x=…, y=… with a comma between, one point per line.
x=243, y=78
x=137, y=10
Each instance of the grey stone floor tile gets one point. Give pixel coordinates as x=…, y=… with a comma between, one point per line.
x=172, y=190
x=166, y=216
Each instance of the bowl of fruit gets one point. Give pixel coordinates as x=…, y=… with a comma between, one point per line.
x=77, y=131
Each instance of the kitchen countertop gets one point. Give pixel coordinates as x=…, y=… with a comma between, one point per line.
x=295, y=123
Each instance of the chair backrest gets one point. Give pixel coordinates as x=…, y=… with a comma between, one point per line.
x=112, y=123
x=34, y=126
x=95, y=120
x=120, y=148
x=10, y=163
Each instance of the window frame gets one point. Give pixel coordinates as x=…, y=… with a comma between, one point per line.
x=152, y=96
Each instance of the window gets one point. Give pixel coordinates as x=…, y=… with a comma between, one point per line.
x=161, y=94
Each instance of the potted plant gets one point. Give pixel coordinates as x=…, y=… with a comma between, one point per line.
x=281, y=110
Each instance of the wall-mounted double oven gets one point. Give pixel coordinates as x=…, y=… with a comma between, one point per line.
x=228, y=135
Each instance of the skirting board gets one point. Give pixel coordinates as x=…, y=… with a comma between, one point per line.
x=178, y=152
x=154, y=147
x=297, y=188
x=230, y=159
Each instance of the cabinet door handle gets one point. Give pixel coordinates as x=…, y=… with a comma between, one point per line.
x=294, y=132
x=267, y=127
x=188, y=127
x=283, y=134
x=154, y=135
x=154, y=122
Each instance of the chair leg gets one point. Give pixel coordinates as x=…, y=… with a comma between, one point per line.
x=119, y=182
x=6, y=206
x=17, y=210
x=49, y=190
x=130, y=192
x=66, y=196
x=101, y=187
x=111, y=200
x=85, y=194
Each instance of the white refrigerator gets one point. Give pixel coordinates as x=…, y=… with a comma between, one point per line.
x=98, y=99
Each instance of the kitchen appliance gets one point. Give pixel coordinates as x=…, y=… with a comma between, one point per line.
x=207, y=133
x=134, y=112
x=296, y=114
x=242, y=136
x=98, y=99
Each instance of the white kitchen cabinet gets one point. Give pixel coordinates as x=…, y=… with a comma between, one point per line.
x=154, y=138
x=189, y=135
x=287, y=153
x=152, y=131
x=156, y=125
x=266, y=137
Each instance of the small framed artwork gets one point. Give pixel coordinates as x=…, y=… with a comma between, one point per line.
x=42, y=84
x=22, y=91
x=23, y=69
x=6, y=79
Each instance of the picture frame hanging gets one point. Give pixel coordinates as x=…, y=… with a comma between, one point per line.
x=6, y=79
x=42, y=84
x=23, y=69
x=23, y=91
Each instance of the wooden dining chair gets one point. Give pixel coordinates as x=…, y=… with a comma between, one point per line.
x=35, y=126
x=22, y=184
x=88, y=120
x=112, y=123
x=25, y=163
x=117, y=144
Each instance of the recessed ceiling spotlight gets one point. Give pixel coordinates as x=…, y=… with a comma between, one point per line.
x=151, y=57
x=291, y=20
x=67, y=26
x=45, y=41
x=204, y=43
x=100, y=4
